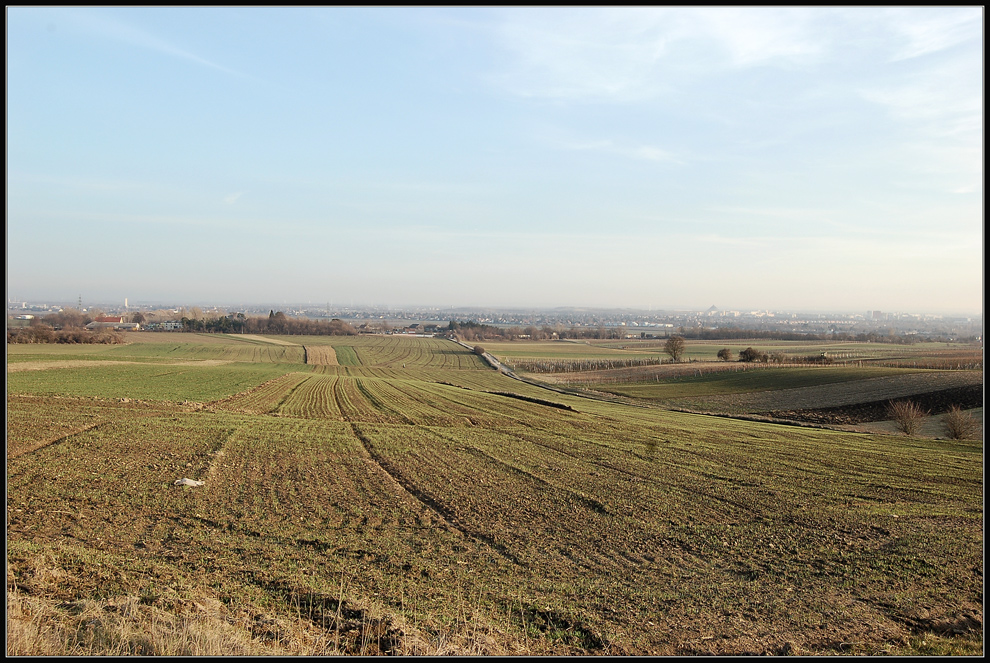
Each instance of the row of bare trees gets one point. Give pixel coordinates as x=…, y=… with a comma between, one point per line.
x=275, y=323
x=42, y=333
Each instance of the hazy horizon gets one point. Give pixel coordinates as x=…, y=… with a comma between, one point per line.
x=172, y=303
x=766, y=158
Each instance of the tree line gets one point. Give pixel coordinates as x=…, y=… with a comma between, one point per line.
x=68, y=326
x=275, y=323
x=726, y=334
x=471, y=330
x=42, y=333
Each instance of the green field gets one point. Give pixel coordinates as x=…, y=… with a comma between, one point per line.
x=741, y=382
x=408, y=499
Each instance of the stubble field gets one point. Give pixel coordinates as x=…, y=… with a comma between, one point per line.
x=405, y=498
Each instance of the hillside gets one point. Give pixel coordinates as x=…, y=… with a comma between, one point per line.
x=396, y=495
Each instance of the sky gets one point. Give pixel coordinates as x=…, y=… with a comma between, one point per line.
x=782, y=158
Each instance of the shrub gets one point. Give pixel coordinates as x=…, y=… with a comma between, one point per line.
x=907, y=415
x=960, y=425
x=725, y=354
x=751, y=354
x=45, y=334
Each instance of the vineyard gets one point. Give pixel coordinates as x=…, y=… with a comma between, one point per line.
x=608, y=359
x=404, y=498
x=577, y=365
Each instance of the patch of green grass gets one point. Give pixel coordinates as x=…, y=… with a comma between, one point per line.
x=145, y=381
x=346, y=355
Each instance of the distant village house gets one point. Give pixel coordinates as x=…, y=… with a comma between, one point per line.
x=113, y=322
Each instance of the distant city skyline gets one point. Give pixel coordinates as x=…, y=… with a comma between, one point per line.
x=778, y=158
x=14, y=304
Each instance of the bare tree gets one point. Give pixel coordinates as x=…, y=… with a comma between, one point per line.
x=907, y=415
x=960, y=425
x=674, y=347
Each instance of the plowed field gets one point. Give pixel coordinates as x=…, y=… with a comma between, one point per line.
x=411, y=500
x=322, y=355
x=846, y=393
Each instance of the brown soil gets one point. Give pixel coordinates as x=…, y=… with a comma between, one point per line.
x=320, y=355
x=936, y=402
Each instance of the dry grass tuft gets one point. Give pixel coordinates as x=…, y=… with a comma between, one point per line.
x=126, y=627
x=201, y=626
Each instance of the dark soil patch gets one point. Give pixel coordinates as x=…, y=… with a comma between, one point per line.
x=935, y=402
x=531, y=399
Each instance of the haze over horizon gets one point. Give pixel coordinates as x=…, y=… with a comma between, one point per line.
x=779, y=158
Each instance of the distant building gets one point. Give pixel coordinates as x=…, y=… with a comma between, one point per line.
x=113, y=322
x=168, y=325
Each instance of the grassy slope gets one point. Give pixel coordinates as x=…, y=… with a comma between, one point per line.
x=373, y=507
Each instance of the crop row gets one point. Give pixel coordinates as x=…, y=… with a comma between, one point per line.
x=422, y=403
x=390, y=400
x=313, y=398
x=265, y=397
x=397, y=352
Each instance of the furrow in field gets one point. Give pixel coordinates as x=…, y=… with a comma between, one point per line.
x=426, y=404
x=52, y=441
x=265, y=397
x=301, y=481
x=388, y=412
x=311, y=399
x=442, y=510
x=353, y=405
x=498, y=500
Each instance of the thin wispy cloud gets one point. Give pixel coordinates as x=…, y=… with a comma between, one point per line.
x=749, y=37
x=112, y=28
x=628, y=54
x=930, y=30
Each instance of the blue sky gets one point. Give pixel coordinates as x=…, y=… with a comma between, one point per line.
x=772, y=158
